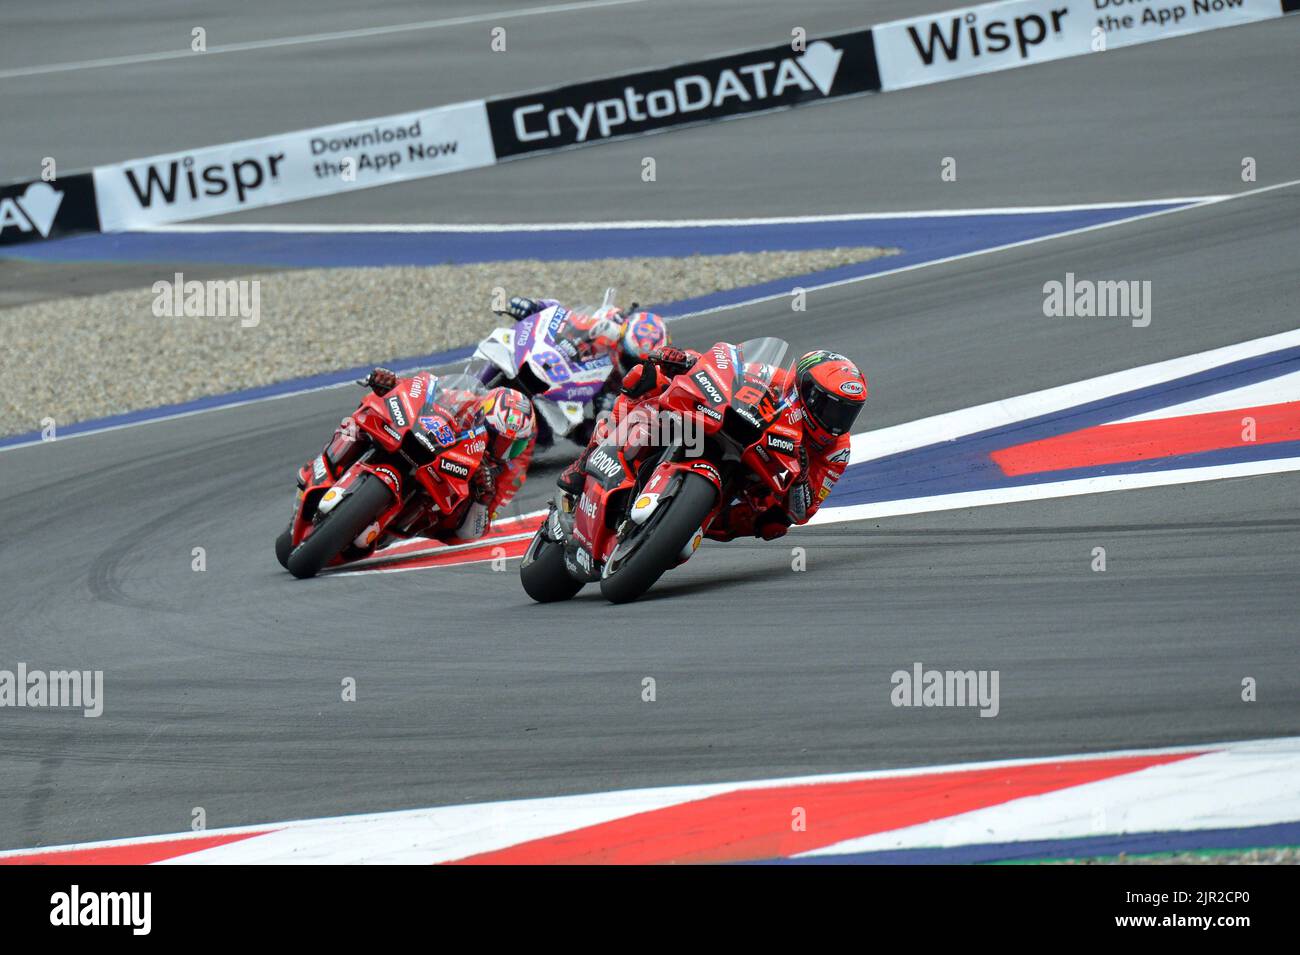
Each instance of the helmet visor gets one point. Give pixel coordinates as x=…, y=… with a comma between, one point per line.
x=829, y=412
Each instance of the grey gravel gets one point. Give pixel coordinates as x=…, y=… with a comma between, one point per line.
x=73, y=359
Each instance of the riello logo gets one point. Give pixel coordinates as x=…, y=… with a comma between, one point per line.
x=737, y=88
x=185, y=180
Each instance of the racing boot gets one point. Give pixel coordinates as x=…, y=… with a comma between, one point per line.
x=571, y=480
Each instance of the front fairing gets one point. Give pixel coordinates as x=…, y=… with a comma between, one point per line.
x=499, y=349
x=535, y=344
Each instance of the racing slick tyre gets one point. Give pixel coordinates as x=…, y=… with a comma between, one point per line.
x=284, y=546
x=542, y=572
x=339, y=527
x=641, y=559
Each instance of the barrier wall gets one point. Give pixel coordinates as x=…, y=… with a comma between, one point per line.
x=214, y=180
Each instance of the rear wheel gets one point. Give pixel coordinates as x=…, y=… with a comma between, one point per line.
x=363, y=503
x=654, y=548
x=543, y=573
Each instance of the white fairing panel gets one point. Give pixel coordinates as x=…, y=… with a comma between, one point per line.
x=499, y=349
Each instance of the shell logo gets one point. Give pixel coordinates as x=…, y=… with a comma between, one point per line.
x=642, y=501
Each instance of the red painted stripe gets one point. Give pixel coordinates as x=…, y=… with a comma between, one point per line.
x=506, y=528
x=440, y=558
x=139, y=853
x=1143, y=440
x=430, y=553
x=757, y=823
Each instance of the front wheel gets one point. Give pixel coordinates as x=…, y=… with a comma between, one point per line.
x=284, y=546
x=363, y=503
x=543, y=573
x=654, y=548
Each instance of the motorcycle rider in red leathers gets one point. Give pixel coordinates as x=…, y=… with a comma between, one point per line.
x=511, y=437
x=829, y=392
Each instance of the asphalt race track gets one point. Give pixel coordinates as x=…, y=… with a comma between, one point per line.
x=224, y=685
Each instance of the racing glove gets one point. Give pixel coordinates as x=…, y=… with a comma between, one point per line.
x=521, y=307
x=483, y=485
x=672, y=360
x=381, y=381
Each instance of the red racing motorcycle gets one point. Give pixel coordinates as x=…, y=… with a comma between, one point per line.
x=651, y=493
x=398, y=459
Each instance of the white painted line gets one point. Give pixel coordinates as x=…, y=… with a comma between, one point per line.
x=309, y=38
x=665, y=223
x=993, y=249
x=1053, y=489
x=1273, y=391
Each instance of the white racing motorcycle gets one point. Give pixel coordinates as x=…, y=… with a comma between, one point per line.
x=528, y=357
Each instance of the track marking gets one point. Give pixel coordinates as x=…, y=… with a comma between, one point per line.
x=1267, y=392
x=1255, y=784
x=1054, y=489
x=956, y=442
x=307, y=38
x=755, y=823
x=870, y=445
x=1167, y=437
x=1238, y=785
x=673, y=223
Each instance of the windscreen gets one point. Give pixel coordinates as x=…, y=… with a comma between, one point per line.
x=456, y=397
x=762, y=358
